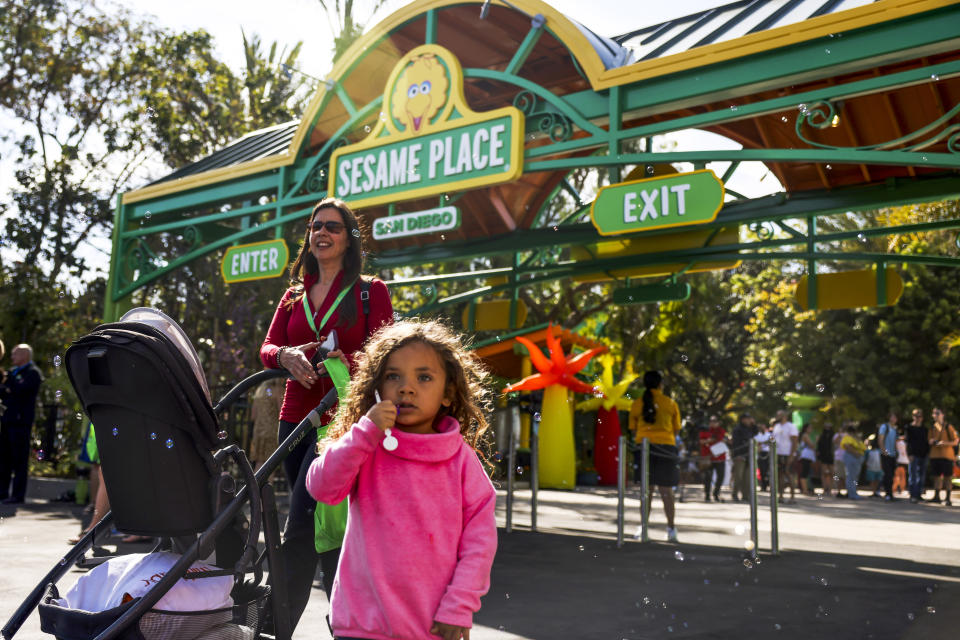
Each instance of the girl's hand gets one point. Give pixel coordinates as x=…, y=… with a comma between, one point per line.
x=449, y=631
x=296, y=362
x=383, y=414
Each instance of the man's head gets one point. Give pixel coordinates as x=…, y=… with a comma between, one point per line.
x=917, y=415
x=781, y=416
x=21, y=355
x=714, y=422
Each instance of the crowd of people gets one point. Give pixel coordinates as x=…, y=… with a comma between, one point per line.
x=851, y=462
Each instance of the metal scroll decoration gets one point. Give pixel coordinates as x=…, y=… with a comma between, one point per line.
x=762, y=230
x=542, y=117
x=821, y=114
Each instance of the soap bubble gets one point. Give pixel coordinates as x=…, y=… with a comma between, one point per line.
x=57, y=360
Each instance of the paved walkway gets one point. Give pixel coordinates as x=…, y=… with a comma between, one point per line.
x=868, y=569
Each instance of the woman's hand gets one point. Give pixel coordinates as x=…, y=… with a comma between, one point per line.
x=294, y=360
x=449, y=631
x=383, y=414
x=336, y=353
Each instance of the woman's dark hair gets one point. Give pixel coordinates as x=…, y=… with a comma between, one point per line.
x=352, y=259
x=651, y=380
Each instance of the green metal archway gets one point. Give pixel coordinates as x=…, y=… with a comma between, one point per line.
x=852, y=108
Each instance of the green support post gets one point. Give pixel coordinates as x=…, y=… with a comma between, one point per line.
x=616, y=115
x=811, y=263
x=881, y=283
x=430, y=37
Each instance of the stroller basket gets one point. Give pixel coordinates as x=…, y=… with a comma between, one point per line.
x=241, y=622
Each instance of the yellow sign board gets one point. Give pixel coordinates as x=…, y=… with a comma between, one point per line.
x=427, y=140
x=849, y=289
x=655, y=244
x=494, y=314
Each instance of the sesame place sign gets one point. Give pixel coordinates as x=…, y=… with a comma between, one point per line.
x=658, y=203
x=427, y=140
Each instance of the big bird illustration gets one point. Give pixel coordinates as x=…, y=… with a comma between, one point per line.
x=420, y=91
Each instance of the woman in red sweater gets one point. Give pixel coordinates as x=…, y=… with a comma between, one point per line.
x=327, y=293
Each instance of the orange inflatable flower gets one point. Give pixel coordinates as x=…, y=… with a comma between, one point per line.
x=557, y=369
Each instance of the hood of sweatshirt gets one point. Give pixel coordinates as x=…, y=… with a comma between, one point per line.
x=429, y=447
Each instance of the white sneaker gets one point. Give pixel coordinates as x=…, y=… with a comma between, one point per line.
x=671, y=534
x=639, y=534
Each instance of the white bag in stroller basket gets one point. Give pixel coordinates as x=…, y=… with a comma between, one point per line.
x=192, y=608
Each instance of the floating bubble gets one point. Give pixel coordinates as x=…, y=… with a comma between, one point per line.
x=269, y=392
x=802, y=108
x=748, y=545
x=79, y=416
x=684, y=357
x=58, y=394
x=777, y=627
x=679, y=556
x=934, y=77
x=57, y=360
x=507, y=595
x=366, y=128
x=829, y=167
x=733, y=107
x=783, y=118
x=826, y=51
x=747, y=563
x=519, y=471
x=169, y=443
x=115, y=431
x=931, y=610
x=821, y=388
x=222, y=435
x=153, y=435
x=536, y=416
x=911, y=616
x=580, y=547
x=355, y=233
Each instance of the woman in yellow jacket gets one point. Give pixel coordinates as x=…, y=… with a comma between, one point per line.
x=657, y=418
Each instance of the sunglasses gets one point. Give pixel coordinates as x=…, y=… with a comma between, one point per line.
x=332, y=226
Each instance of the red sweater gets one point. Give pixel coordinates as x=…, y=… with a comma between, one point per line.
x=289, y=328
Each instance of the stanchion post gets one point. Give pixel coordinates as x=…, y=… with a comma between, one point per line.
x=752, y=488
x=512, y=463
x=534, y=469
x=621, y=485
x=774, y=496
x=645, y=490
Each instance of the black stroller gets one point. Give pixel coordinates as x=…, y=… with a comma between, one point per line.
x=163, y=458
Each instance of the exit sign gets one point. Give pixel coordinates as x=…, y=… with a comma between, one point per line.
x=254, y=261
x=658, y=203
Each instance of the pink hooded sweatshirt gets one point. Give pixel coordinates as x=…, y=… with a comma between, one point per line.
x=421, y=534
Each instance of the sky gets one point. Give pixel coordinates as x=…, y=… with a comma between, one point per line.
x=289, y=21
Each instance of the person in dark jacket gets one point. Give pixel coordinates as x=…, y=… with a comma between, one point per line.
x=740, y=450
x=18, y=394
x=918, y=452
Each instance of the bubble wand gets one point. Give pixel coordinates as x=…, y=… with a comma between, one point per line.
x=389, y=441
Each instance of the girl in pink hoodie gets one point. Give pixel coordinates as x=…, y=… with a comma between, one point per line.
x=421, y=534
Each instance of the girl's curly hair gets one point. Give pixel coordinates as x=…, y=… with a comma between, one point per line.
x=466, y=376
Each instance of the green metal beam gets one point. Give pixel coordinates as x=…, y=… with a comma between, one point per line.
x=906, y=38
x=525, y=49
x=774, y=207
x=836, y=156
